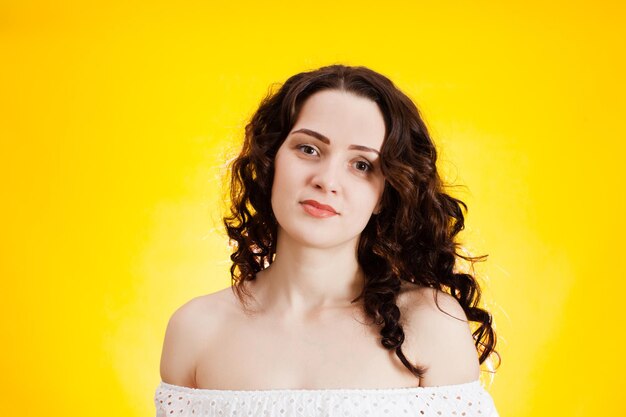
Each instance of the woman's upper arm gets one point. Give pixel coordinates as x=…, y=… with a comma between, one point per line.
x=185, y=337
x=443, y=343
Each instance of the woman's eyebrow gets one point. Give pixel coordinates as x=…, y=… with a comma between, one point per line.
x=324, y=139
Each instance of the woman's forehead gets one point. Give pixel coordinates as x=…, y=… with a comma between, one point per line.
x=342, y=117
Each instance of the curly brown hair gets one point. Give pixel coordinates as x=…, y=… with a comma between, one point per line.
x=412, y=239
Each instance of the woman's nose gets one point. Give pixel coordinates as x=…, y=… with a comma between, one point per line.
x=327, y=176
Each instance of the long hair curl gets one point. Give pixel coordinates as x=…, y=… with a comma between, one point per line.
x=411, y=239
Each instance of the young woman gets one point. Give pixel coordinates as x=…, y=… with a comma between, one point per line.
x=346, y=298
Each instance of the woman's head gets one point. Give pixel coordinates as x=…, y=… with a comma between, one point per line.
x=406, y=225
x=407, y=155
x=331, y=157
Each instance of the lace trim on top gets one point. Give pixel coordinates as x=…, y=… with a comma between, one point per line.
x=460, y=400
x=404, y=390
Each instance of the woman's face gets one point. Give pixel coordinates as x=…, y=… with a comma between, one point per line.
x=331, y=156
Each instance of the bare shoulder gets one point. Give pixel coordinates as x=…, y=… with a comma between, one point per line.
x=438, y=336
x=429, y=301
x=190, y=328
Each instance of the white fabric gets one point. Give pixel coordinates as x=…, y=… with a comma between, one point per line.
x=460, y=400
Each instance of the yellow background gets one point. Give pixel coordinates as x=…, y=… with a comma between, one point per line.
x=117, y=119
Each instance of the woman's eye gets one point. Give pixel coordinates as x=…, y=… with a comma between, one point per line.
x=363, y=166
x=305, y=147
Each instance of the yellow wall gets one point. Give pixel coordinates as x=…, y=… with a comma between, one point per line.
x=116, y=119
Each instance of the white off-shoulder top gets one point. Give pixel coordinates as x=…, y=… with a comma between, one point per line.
x=460, y=400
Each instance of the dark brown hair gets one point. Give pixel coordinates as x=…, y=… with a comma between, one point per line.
x=412, y=239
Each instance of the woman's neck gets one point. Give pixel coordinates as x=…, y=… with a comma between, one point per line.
x=304, y=280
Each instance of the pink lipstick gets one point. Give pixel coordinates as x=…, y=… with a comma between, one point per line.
x=317, y=209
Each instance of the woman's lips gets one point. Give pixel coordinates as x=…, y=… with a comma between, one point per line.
x=314, y=209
